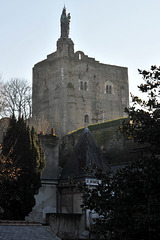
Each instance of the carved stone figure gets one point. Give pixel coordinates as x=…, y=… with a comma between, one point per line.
x=65, y=21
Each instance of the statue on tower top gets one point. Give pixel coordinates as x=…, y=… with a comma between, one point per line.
x=65, y=21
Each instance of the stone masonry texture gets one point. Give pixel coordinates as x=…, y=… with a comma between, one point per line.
x=72, y=90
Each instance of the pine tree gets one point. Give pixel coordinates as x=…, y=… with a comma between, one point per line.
x=22, y=146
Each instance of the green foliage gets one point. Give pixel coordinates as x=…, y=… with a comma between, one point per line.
x=137, y=209
x=23, y=147
x=98, y=126
x=127, y=201
x=144, y=115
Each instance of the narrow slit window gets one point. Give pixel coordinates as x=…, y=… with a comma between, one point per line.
x=81, y=85
x=86, y=118
x=107, y=88
x=85, y=86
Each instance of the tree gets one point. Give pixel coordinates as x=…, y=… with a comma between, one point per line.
x=8, y=176
x=3, y=127
x=136, y=212
x=1, y=95
x=16, y=98
x=127, y=201
x=22, y=146
x=144, y=115
x=98, y=199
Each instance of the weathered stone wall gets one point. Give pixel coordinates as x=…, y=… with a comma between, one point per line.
x=69, y=199
x=72, y=90
x=68, y=226
x=50, y=144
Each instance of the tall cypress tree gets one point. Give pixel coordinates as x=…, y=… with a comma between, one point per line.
x=22, y=145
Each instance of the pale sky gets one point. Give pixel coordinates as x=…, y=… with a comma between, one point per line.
x=123, y=33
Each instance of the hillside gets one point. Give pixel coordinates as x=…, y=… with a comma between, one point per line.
x=115, y=147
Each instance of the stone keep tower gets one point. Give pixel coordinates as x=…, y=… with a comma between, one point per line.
x=72, y=90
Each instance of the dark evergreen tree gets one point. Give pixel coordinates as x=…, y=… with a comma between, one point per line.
x=22, y=146
x=127, y=201
x=144, y=115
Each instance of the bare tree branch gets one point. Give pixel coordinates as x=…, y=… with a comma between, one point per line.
x=15, y=98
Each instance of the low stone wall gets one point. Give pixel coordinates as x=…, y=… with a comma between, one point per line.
x=68, y=226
